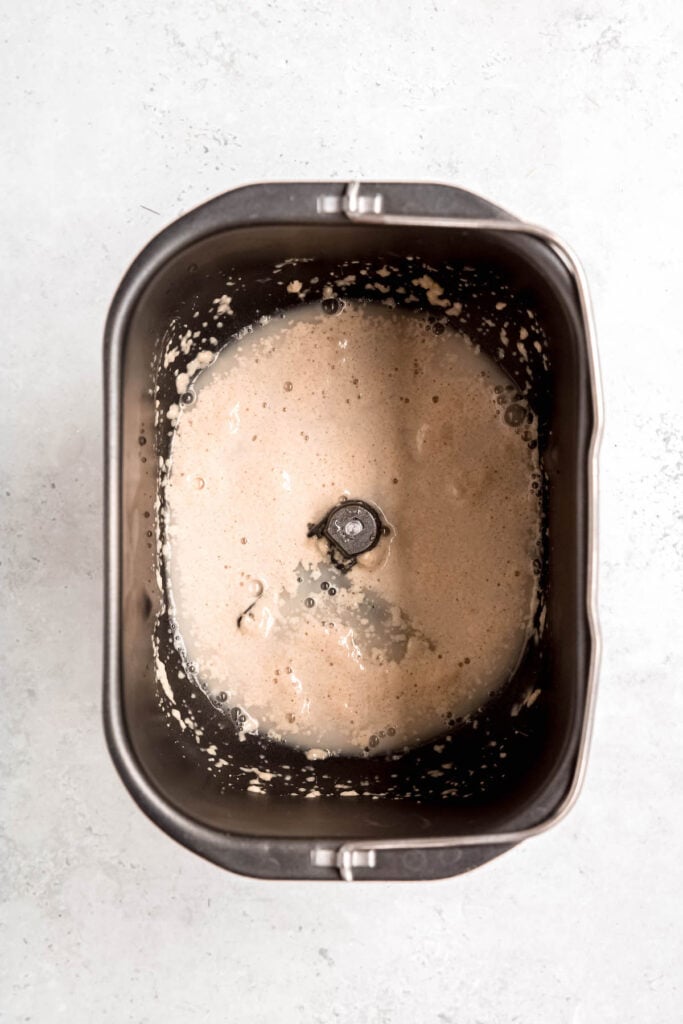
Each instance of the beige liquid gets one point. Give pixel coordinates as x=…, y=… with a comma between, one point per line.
x=370, y=404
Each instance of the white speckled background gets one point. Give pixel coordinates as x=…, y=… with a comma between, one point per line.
x=115, y=119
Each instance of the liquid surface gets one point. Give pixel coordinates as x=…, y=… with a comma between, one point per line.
x=309, y=410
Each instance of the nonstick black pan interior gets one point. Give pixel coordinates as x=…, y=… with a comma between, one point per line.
x=504, y=283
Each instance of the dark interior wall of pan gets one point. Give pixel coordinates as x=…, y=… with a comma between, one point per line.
x=540, y=740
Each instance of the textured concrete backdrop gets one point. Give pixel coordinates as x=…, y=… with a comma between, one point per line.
x=115, y=119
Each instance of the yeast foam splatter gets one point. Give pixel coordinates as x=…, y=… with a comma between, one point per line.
x=312, y=409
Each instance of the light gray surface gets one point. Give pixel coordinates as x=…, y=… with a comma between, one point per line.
x=566, y=113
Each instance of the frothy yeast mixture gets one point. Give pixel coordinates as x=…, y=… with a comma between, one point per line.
x=312, y=409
